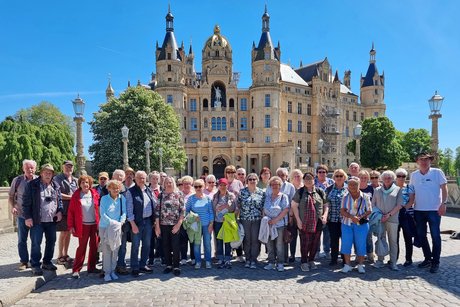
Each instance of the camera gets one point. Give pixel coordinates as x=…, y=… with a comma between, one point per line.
x=55, y=219
x=48, y=198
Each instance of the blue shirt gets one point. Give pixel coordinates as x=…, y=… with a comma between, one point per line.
x=202, y=207
x=110, y=210
x=273, y=208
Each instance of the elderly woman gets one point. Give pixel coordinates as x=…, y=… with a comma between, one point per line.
x=201, y=204
x=406, y=215
x=234, y=185
x=356, y=207
x=334, y=196
x=169, y=215
x=367, y=189
x=323, y=182
x=210, y=189
x=187, y=191
x=83, y=221
x=265, y=175
x=276, y=208
x=113, y=214
x=295, y=177
x=222, y=202
x=375, y=178
x=388, y=198
x=250, y=205
x=308, y=209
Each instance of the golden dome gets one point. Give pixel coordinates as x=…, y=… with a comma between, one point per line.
x=217, y=41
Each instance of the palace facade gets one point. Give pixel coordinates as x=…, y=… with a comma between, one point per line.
x=278, y=120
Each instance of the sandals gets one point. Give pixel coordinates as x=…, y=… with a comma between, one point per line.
x=64, y=260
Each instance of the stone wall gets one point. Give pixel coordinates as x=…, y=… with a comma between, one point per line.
x=6, y=218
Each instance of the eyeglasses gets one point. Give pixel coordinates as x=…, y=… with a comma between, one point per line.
x=198, y=186
x=101, y=179
x=375, y=177
x=321, y=172
x=230, y=172
x=252, y=179
x=401, y=176
x=240, y=174
x=338, y=176
x=179, y=184
x=211, y=182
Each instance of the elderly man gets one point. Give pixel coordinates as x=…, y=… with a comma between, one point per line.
x=68, y=185
x=129, y=178
x=18, y=186
x=430, y=185
x=140, y=204
x=353, y=170
x=42, y=207
x=101, y=188
x=241, y=175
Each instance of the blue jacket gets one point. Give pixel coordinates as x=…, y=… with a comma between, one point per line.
x=375, y=222
x=138, y=203
x=32, y=200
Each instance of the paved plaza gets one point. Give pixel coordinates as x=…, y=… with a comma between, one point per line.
x=240, y=286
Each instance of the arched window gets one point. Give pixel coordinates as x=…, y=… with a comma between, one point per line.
x=213, y=139
x=224, y=139
x=232, y=103
x=205, y=103
x=224, y=123
x=213, y=124
x=219, y=139
x=205, y=123
x=219, y=124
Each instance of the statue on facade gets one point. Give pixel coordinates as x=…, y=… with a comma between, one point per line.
x=218, y=96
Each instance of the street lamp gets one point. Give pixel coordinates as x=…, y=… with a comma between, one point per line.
x=435, y=107
x=79, y=109
x=147, y=156
x=320, y=150
x=160, y=152
x=357, y=133
x=124, y=135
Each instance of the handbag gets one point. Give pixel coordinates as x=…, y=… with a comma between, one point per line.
x=362, y=220
x=287, y=235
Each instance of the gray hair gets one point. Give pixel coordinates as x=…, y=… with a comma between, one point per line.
x=31, y=162
x=242, y=170
x=401, y=171
x=282, y=170
x=154, y=174
x=138, y=173
x=211, y=177
x=118, y=172
x=388, y=174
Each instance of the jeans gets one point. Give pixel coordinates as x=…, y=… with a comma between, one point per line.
x=171, y=245
x=23, y=233
x=434, y=221
x=144, y=235
x=121, y=263
x=251, y=243
x=36, y=235
x=221, y=246
x=326, y=240
x=293, y=243
x=335, y=232
x=206, y=244
x=276, y=248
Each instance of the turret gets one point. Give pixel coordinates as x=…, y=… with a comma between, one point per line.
x=373, y=88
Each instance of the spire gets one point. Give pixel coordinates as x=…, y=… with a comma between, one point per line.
x=169, y=20
x=109, y=92
x=265, y=49
x=336, y=77
x=372, y=54
x=169, y=41
x=301, y=64
x=190, y=50
x=265, y=21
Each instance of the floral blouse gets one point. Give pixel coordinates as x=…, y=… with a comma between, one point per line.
x=251, y=204
x=171, y=208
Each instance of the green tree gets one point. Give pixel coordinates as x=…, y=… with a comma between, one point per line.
x=447, y=163
x=21, y=138
x=148, y=117
x=456, y=162
x=416, y=141
x=380, y=148
x=44, y=113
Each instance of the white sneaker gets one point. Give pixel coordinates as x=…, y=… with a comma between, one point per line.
x=198, y=265
x=253, y=265
x=114, y=276
x=304, y=267
x=240, y=259
x=107, y=277
x=312, y=265
x=208, y=265
x=280, y=267
x=379, y=264
x=247, y=265
x=269, y=266
x=346, y=268
x=361, y=269
x=183, y=262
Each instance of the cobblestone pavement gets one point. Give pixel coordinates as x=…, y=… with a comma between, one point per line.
x=239, y=286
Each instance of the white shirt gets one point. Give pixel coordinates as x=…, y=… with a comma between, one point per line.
x=428, y=189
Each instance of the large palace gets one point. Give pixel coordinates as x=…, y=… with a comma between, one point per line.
x=279, y=119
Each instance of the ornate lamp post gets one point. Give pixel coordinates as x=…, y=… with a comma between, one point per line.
x=320, y=150
x=79, y=109
x=124, y=134
x=147, y=156
x=357, y=133
x=160, y=152
x=435, y=107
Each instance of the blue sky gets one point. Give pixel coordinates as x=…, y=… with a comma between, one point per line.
x=52, y=50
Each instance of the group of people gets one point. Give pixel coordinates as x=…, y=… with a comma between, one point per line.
x=167, y=220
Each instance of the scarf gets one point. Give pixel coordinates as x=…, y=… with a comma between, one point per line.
x=390, y=189
x=310, y=219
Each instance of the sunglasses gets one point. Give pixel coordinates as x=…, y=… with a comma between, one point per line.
x=252, y=179
x=211, y=182
x=338, y=176
x=401, y=176
x=230, y=172
x=198, y=186
x=100, y=179
x=179, y=184
x=374, y=177
x=240, y=174
x=321, y=172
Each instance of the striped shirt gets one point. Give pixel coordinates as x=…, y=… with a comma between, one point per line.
x=352, y=205
x=202, y=207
